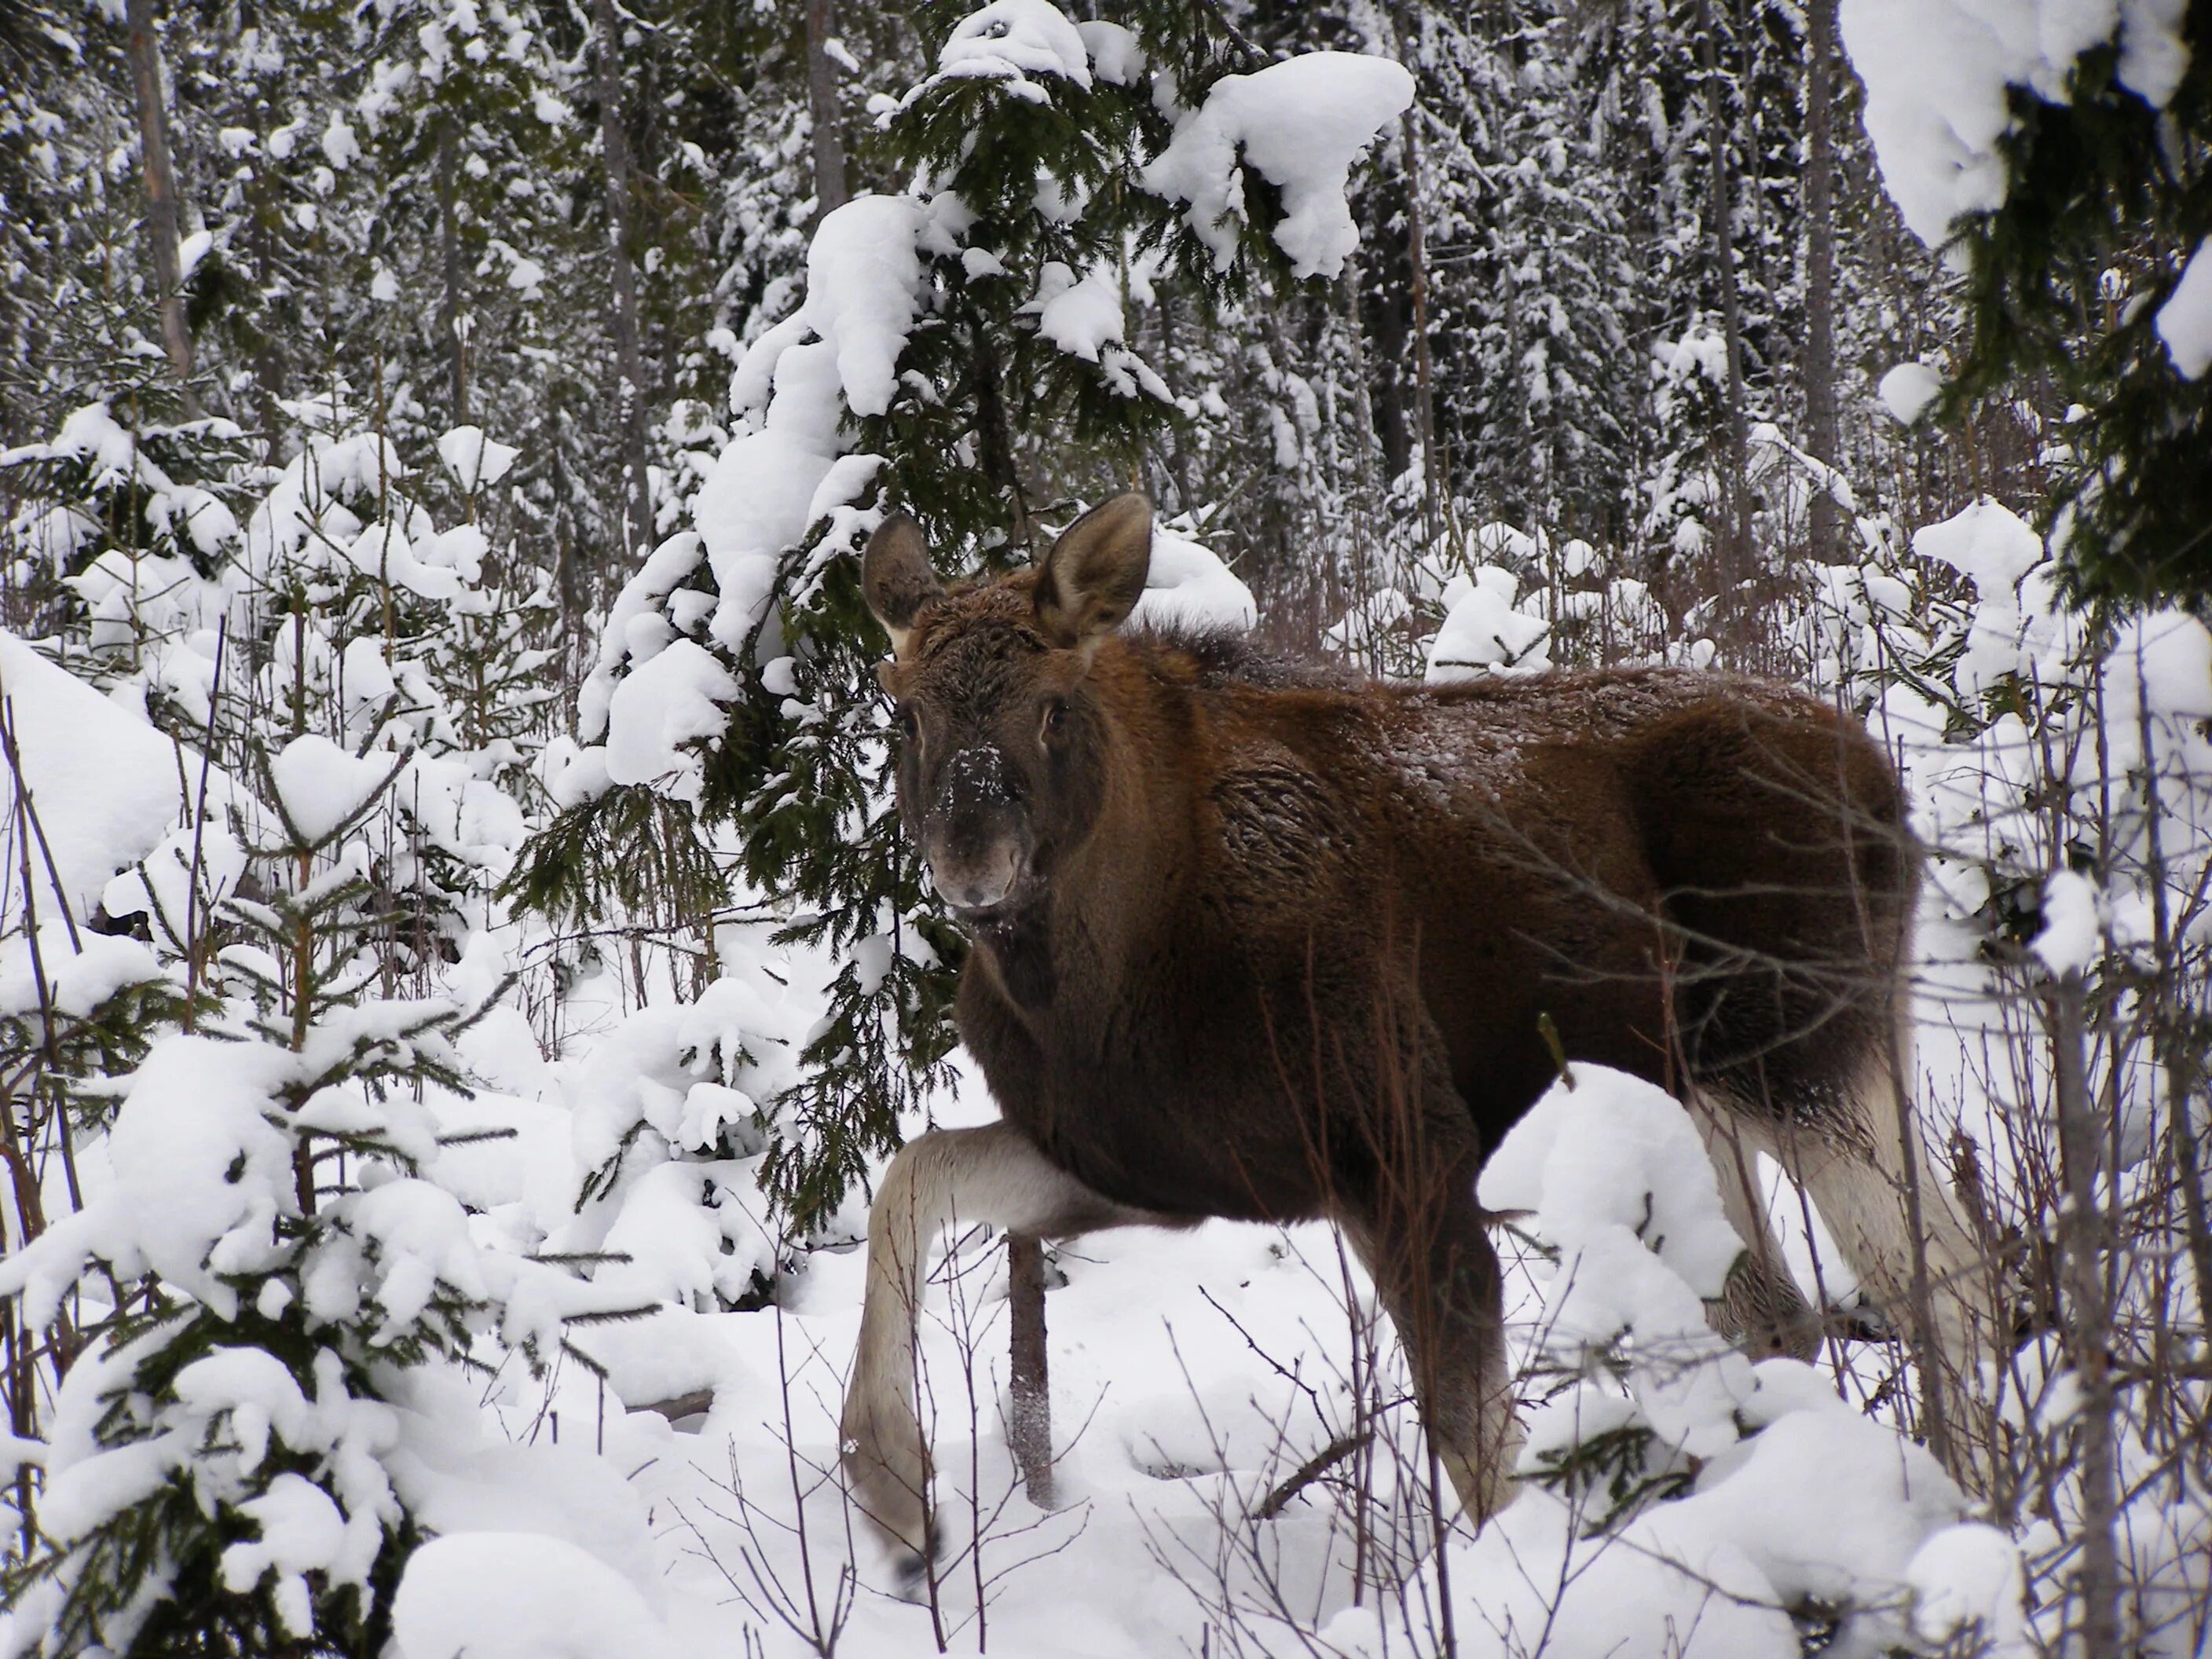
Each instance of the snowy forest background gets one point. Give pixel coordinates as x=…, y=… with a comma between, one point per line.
x=460, y=972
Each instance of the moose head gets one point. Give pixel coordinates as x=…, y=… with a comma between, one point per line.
x=1003, y=752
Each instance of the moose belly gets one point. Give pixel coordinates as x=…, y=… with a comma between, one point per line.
x=1187, y=1145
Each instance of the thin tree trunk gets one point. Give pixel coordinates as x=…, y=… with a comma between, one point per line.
x=2083, y=1243
x=1736, y=557
x=621, y=212
x=162, y=222
x=1424, y=401
x=451, y=323
x=1417, y=260
x=830, y=191
x=1029, y=1425
x=994, y=443
x=1178, y=458
x=1819, y=366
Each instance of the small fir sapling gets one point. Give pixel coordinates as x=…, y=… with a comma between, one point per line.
x=272, y=1258
x=124, y=527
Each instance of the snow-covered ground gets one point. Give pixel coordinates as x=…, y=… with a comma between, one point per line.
x=1192, y=1374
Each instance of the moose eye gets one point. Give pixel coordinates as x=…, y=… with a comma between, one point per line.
x=1055, y=717
x=903, y=718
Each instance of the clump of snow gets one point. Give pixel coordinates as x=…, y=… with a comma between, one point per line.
x=2067, y=942
x=1188, y=585
x=383, y=553
x=519, y=1595
x=863, y=292
x=1967, y=1589
x=1991, y=546
x=1620, y=1185
x=1115, y=56
x=2184, y=321
x=1012, y=41
x=188, y=873
x=200, y=1176
x=1936, y=73
x=1881, y=1496
x=302, y=1531
x=339, y=144
x=677, y=698
x=476, y=461
x=1907, y=390
x=320, y=787
x=1302, y=124
x=837, y=354
x=1078, y=316
x=81, y=968
x=1482, y=631
x=106, y=787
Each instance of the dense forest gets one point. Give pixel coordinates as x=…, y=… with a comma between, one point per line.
x=461, y=967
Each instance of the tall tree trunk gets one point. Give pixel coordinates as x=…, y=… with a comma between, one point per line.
x=1735, y=563
x=622, y=213
x=2084, y=1241
x=1819, y=366
x=1029, y=1414
x=830, y=191
x=1417, y=261
x=452, y=320
x=163, y=226
x=1425, y=397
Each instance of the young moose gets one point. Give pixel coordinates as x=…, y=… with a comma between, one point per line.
x=1261, y=942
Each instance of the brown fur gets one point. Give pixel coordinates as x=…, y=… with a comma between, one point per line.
x=1280, y=944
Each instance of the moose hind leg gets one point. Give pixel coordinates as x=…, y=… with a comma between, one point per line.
x=1760, y=1308
x=1437, y=1275
x=991, y=1175
x=1896, y=1219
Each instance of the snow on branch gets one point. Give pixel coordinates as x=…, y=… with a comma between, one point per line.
x=1303, y=124
x=1937, y=73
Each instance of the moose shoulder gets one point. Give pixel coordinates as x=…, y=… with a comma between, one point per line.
x=1266, y=943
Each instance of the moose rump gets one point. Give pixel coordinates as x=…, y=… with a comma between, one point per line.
x=1269, y=943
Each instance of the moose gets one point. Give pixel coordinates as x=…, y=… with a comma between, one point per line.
x=1265, y=941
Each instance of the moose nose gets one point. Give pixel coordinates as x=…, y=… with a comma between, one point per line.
x=981, y=882
x=975, y=839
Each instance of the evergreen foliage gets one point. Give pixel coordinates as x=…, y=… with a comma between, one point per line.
x=2109, y=199
x=247, y=1389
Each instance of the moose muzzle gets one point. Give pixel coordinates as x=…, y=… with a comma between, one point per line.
x=976, y=836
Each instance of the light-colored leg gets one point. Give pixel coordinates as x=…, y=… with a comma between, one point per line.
x=1760, y=1307
x=991, y=1175
x=1867, y=1181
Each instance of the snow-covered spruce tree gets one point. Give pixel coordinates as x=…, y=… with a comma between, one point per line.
x=266, y=1269
x=963, y=354
x=2079, y=197
x=340, y=606
x=364, y=621
x=273, y=1254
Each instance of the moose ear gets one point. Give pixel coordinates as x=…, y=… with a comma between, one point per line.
x=895, y=578
x=1090, y=579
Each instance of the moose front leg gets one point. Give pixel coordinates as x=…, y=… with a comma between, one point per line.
x=1416, y=1224
x=991, y=1175
x=1426, y=1247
